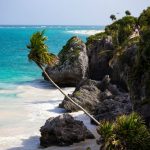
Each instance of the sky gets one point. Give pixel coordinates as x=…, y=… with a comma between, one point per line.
x=66, y=12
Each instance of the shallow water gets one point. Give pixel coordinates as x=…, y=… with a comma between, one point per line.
x=14, y=65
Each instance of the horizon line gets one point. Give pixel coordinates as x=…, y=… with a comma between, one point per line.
x=45, y=25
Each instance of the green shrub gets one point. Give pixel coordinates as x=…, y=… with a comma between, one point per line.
x=128, y=13
x=126, y=133
x=98, y=36
x=121, y=29
x=77, y=93
x=71, y=50
x=144, y=19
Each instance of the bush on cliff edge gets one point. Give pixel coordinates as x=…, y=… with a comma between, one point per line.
x=126, y=133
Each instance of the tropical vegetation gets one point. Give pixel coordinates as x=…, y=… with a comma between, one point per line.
x=128, y=132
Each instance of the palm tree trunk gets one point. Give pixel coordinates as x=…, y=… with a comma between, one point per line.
x=69, y=98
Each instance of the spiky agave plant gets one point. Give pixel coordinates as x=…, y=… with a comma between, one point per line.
x=40, y=55
x=126, y=133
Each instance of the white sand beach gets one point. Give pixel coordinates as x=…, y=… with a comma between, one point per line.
x=21, y=117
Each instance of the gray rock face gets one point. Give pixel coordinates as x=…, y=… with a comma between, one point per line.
x=137, y=82
x=112, y=106
x=122, y=66
x=86, y=94
x=63, y=130
x=73, y=63
x=99, y=53
x=95, y=60
x=102, y=99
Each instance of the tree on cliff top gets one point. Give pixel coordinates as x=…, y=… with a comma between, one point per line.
x=112, y=17
x=40, y=55
x=121, y=29
x=127, y=12
x=144, y=19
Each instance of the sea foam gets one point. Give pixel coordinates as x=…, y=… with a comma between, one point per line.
x=85, y=32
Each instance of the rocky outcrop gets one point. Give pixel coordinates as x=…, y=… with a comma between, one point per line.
x=139, y=81
x=99, y=52
x=131, y=69
x=102, y=99
x=86, y=94
x=63, y=130
x=122, y=66
x=112, y=106
x=73, y=64
x=125, y=60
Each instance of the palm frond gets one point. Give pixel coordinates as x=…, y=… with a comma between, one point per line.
x=39, y=50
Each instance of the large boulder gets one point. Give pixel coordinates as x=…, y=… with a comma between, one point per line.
x=63, y=130
x=86, y=94
x=73, y=63
x=100, y=98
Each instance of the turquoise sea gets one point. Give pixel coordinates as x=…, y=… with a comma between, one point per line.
x=26, y=100
x=14, y=65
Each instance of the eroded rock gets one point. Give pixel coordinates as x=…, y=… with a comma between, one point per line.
x=63, y=130
x=102, y=99
x=100, y=51
x=86, y=94
x=73, y=63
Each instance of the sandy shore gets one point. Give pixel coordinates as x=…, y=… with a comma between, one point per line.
x=22, y=117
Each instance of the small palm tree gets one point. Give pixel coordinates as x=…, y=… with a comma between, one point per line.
x=40, y=55
x=127, y=12
x=112, y=17
x=39, y=51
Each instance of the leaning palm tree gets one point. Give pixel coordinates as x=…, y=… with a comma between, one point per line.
x=40, y=55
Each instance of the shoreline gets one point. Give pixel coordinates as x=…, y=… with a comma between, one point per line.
x=25, y=108
x=20, y=128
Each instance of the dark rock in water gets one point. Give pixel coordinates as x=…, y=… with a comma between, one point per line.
x=73, y=64
x=102, y=99
x=63, y=130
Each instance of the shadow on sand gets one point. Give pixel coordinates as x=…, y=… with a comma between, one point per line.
x=33, y=144
x=58, y=110
x=28, y=144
